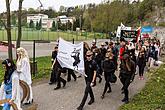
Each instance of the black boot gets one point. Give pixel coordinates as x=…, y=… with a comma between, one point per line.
x=91, y=101
x=79, y=108
x=64, y=83
x=57, y=88
x=109, y=91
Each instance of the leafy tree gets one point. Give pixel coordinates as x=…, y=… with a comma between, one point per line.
x=31, y=24
x=40, y=25
x=37, y=25
x=54, y=27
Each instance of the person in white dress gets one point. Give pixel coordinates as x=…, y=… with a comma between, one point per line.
x=23, y=69
x=10, y=88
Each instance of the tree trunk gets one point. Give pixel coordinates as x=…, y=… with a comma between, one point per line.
x=8, y=29
x=19, y=24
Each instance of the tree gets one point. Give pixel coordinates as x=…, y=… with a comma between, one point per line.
x=13, y=20
x=8, y=29
x=62, y=9
x=40, y=25
x=37, y=26
x=31, y=24
x=54, y=27
x=19, y=24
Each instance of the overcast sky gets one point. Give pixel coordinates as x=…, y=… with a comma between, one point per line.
x=46, y=3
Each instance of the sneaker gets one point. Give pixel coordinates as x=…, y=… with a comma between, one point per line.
x=142, y=78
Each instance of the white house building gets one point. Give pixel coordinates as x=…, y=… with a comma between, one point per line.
x=64, y=19
x=46, y=22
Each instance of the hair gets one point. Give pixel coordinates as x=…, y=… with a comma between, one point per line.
x=86, y=46
x=10, y=68
x=97, y=50
x=23, y=52
x=111, y=43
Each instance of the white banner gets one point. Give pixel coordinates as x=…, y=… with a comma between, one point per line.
x=121, y=27
x=71, y=55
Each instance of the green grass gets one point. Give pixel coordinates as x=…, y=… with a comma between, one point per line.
x=152, y=97
x=43, y=65
x=49, y=35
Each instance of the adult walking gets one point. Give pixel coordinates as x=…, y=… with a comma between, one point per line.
x=108, y=67
x=141, y=62
x=53, y=78
x=90, y=71
x=127, y=73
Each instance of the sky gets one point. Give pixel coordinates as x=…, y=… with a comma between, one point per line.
x=46, y=3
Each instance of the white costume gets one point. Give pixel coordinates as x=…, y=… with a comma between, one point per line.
x=15, y=90
x=23, y=69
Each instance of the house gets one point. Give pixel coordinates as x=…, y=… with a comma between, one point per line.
x=45, y=21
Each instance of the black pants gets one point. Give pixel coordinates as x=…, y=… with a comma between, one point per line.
x=125, y=80
x=71, y=72
x=53, y=76
x=107, y=82
x=141, y=70
x=88, y=90
x=60, y=79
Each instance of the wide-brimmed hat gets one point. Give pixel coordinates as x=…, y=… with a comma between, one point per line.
x=89, y=52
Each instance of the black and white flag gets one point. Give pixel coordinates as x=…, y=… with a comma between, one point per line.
x=71, y=55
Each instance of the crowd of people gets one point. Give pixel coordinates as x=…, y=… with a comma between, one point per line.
x=123, y=56
x=129, y=58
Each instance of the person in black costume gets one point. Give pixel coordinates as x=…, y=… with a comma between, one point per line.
x=108, y=69
x=58, y=69
x=103, y=50
x=115, y=52
x=141, y=62
x=98, y=58
x=127, y=73
x=53, y=73
x=90, y=71
x=71, y=72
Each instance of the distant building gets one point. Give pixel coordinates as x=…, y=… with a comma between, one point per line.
x=64, y=19
x=46, y=22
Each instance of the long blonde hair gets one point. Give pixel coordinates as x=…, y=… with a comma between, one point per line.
x=22, y=53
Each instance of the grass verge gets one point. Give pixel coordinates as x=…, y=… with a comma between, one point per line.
x=43, y=67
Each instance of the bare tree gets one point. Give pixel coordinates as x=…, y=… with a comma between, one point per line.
x=8, y=29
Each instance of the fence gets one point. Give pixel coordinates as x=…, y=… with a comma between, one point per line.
x=29, y=34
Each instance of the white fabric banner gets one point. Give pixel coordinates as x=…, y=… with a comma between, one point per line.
x=71, y=55
x=121, y=27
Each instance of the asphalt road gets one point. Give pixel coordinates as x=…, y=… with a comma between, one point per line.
x=70, y=97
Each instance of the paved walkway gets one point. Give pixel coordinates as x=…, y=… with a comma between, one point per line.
x=69, y=98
